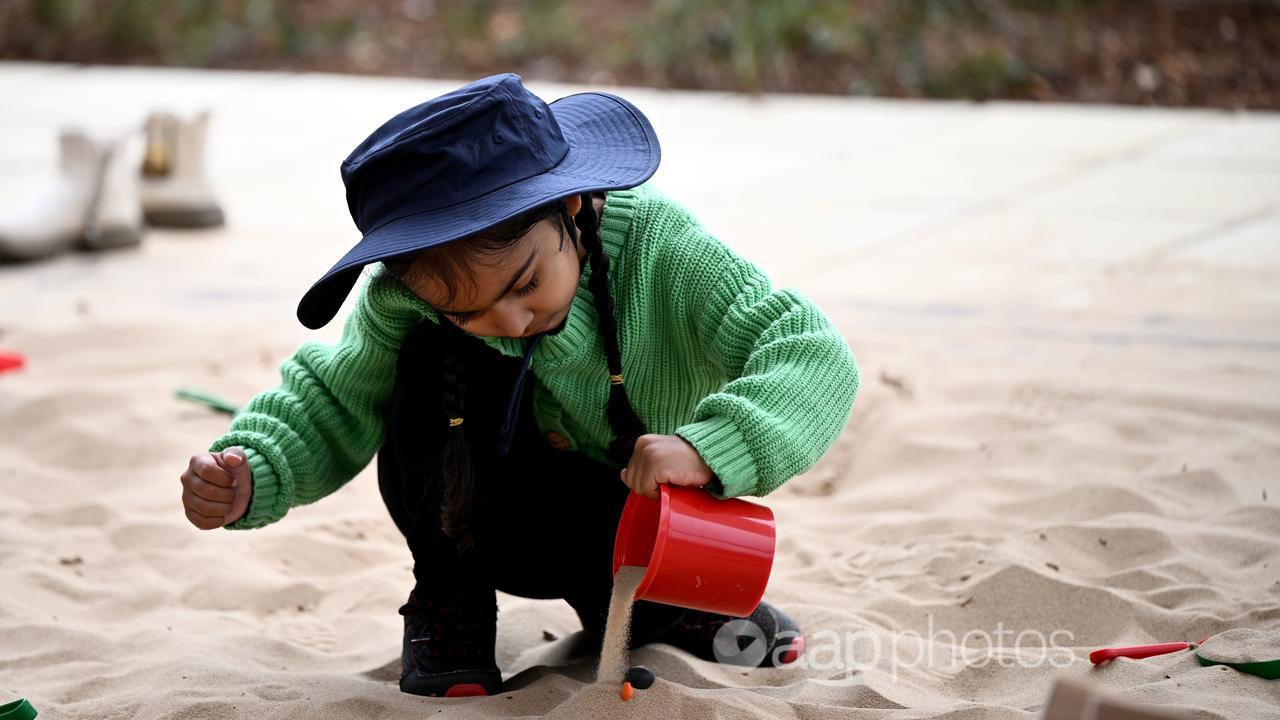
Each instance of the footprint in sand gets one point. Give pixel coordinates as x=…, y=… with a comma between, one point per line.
x=89, y=515
x=1040, y=402
x=150, y=535
x=276, y=692
x=304, y=632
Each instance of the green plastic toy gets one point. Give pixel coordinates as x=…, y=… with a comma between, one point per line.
x=209, y=400
x=17, y=710
x=1250, y=651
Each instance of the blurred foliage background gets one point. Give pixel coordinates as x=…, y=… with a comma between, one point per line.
x=1218, y=53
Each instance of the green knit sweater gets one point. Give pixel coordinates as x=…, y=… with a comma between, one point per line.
x=756, y=379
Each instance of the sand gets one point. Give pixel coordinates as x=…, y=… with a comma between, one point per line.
x=1066, y=439
x=1241, y=645
x=615, y=652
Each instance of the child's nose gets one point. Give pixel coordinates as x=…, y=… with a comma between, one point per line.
x=516, y=322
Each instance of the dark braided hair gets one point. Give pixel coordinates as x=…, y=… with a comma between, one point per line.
x=627, y=426
x=455, y=481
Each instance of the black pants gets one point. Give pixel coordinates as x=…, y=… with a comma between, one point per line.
x=545, y=519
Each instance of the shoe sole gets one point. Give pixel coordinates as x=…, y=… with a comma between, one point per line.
x=112, y=239
x=17, y=255
x=792, y=653
x=466, y=690
x=185, y=218
x=460, y=683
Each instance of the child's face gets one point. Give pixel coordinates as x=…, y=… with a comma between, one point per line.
x=526, y=291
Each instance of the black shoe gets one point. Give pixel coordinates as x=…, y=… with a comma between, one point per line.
x=767, y=637
x=448, y=648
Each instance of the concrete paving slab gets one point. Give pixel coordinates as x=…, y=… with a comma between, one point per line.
x=936, y=202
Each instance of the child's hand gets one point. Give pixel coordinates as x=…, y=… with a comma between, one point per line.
x=216, y=488
x=664, y=459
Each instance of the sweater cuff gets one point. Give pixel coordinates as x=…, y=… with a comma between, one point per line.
x=723, y=449
x=265, y=492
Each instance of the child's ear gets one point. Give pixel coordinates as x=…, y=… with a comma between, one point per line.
x=573, y=204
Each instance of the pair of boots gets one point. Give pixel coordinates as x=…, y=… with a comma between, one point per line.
x=106, y=191
x=448, y=648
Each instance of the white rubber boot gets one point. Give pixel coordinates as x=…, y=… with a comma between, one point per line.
x=115, y=218
x=175, y=190
x=56, y=220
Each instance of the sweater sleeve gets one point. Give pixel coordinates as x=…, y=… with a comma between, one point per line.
x=322, y=424
x=793, y=378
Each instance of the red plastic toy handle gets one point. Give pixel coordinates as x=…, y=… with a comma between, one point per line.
x=11, y=360
x=1136, y=651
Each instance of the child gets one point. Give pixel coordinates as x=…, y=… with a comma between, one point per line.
x=521, y=268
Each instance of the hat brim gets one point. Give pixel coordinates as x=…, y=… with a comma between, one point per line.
x=612, y=146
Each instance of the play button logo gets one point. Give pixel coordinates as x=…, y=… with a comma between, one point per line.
x=740, y=642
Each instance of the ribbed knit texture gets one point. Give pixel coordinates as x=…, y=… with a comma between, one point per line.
x=758, y=380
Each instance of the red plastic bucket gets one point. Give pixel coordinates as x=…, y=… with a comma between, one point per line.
x=700, y=552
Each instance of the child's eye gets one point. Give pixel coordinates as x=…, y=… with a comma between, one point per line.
x=533, y=285
x=464, y=318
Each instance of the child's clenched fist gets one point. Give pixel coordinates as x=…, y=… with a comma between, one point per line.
x=659, y=459
x=216, y=488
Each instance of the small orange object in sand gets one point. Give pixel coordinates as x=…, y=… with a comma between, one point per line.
x=627, y=691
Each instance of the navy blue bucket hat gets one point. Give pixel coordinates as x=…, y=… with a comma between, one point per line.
x=472, y=158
